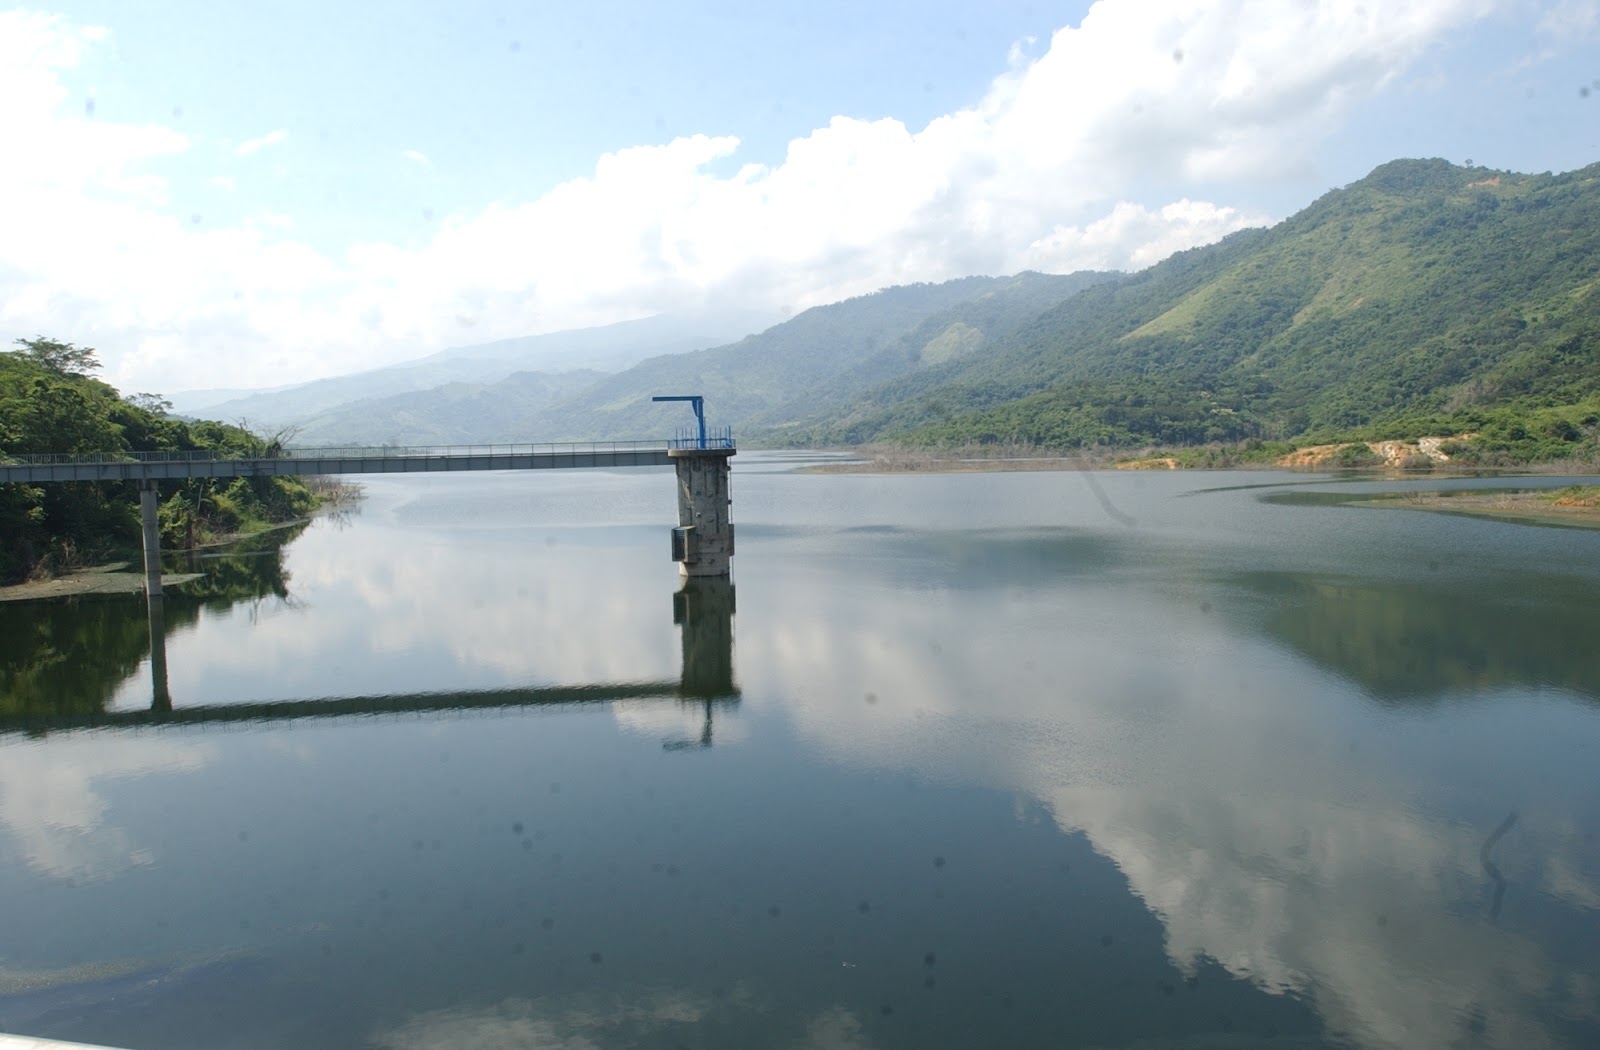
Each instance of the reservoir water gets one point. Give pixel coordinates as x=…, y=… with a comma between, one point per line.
x=1026, y=759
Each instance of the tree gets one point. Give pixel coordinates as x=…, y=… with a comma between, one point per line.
x=154, y=404
x=61, y=358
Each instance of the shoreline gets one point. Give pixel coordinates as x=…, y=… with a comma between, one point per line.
x=115, y=577
x=925, y=463
x=878, y=460
x=1523, y=507
x=96, y=580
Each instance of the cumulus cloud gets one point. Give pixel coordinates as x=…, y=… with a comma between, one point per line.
x=1136, y=236
x=56, y=817
x=256, y=145
x=1082, y=157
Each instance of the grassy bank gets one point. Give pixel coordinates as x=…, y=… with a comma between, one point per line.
x=1573, y=506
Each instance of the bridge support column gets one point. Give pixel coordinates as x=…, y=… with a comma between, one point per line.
x=703, y=541
x=152, y=538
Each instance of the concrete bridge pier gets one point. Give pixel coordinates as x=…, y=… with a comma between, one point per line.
x=152, y=538
x=703, y=541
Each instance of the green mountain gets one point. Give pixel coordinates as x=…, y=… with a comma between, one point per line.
x=508, y=410
x=1424, y=298
x=817, y=361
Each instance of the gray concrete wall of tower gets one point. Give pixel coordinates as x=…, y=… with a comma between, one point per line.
x=703, y=541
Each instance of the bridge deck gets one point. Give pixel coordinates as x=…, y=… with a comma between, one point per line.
x=160, y=466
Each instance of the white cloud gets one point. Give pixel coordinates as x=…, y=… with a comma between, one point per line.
x=256, y=145
x=417, y=157
x=224, y=182
x=68, y=156
x=1070, y=160
x=56, y=817
x=1104, y=243
x=1566, y=19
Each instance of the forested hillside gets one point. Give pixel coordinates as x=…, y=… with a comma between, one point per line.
x=49, y=403
x=814, y=361
x=1425, y=298
x=510, y=409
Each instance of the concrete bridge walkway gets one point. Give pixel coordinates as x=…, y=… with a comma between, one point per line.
x=702, y=544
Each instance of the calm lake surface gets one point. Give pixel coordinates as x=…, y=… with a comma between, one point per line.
x=1033, y=759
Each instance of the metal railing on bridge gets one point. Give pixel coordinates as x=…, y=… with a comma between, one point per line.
x=347, y=459
x=544, y=448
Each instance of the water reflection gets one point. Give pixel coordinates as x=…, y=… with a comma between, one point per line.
x=702, y=608
x=999, y=782
x=156, y=616
x=55, y=804
x=1172, y=711
x=67, y=658
x=1412, y=640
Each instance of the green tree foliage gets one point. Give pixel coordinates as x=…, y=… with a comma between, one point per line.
x=61, y=358
x=49, y=404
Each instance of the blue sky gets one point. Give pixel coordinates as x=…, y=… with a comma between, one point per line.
x=256, y=194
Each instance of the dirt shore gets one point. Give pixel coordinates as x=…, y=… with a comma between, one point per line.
x=1578, y=507
x=102, y=579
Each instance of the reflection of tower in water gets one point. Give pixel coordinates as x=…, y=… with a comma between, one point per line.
x=703, y=609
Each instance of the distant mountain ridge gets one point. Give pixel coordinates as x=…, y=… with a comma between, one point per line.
x=816, y=360
x=605, y=348
x=806, y=365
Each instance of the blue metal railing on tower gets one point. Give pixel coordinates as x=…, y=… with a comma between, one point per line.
x=713, y=437
x=698, y=437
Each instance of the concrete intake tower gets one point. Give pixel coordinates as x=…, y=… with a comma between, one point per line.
x=703, y=541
